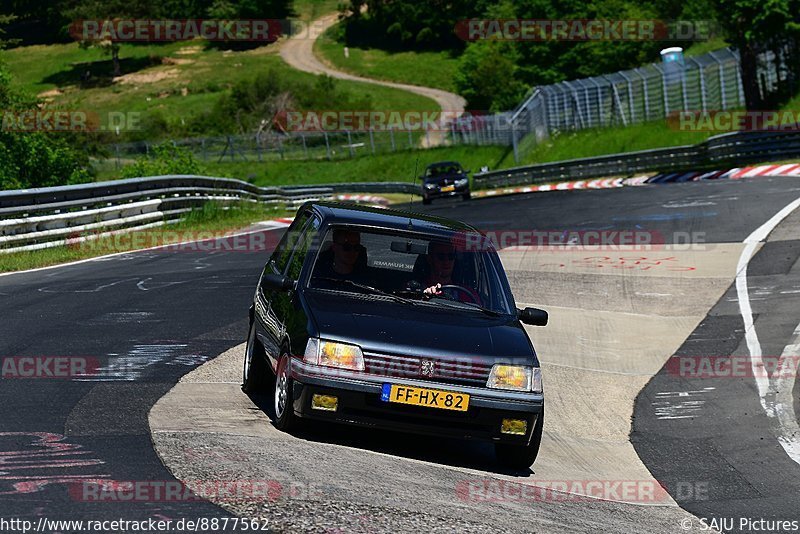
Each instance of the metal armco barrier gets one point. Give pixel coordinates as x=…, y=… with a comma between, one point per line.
x=32, y=219
x=731, y=148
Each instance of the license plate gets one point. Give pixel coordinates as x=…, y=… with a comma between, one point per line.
x=430, y=398
x=448, y=188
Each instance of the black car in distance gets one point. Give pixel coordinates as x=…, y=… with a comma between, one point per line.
x=395, y=320
x=444, y=179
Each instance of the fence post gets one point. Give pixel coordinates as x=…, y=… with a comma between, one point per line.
x=702, y=84
x=514, y=143
x=721, y=69
x=391, y=136
x=646, y=96
x=599, y=102
x=350, y=144
x=410, y=139
x=305, y=146
x=739, y=81
x=631, y=111
x=327, y=145
x=683, y=89
x=372, y=141
x=664, y=89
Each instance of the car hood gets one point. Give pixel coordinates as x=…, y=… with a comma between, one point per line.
x=383, y=326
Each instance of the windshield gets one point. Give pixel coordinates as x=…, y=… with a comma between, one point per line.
x=443, y=170
x=440, y=271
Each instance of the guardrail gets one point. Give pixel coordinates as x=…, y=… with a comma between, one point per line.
x=32, y=219
x=735, y=147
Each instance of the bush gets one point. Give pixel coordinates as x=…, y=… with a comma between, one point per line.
x=166, y=159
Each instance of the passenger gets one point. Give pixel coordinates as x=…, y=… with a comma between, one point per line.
x=346, y=258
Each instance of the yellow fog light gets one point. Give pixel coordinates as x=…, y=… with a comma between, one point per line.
x=514, y=426
x=328, y=403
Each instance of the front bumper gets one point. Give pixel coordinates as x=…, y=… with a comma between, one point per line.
x=360, y=404
x=438, y=193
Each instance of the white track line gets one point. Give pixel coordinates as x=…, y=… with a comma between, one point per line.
x=786, y=425
x=265, y=226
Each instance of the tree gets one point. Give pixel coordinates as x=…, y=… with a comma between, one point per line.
x=78, y=10
x=755, y=26
x=486, y=76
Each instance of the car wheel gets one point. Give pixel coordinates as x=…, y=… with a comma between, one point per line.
x=426, y=201
x=285, y=419
x=466, y=196
x=256, y=376
x=521, y=456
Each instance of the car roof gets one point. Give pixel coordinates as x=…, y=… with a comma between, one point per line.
x=340, y=213
x=443, y=163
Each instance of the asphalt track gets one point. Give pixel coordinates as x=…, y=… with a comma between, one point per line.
x=150, y=317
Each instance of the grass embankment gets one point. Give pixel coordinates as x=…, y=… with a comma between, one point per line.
x=174, y=81
x=598, y=142
x=429, y=69
x=211, y=219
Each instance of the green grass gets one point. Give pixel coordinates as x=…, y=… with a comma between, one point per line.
x=177, y=79
x=312, y=9
x=598, y=142
x=212, y=218
x=392, y=167
x=430, y=69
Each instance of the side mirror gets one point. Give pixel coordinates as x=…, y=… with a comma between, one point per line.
x=533, y=316
x=278, y=282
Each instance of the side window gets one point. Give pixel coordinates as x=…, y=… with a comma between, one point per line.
x=305, y=241
x=280, y=258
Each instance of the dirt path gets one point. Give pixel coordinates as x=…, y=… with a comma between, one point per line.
x=298, y=52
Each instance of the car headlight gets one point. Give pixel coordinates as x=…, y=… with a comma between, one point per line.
x=462, y=181
x=430, y=186
x=516, y=378
x=333, y=354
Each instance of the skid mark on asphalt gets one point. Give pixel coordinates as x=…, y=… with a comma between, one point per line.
x=680, y=404
x=133, y=365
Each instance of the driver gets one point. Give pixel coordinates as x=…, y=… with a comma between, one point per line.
x=441, y=259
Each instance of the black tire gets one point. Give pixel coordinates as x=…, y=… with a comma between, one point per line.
x=256, y=375
x=521, y=457
x=285, y=418
x=426, y=201
x=466, y=196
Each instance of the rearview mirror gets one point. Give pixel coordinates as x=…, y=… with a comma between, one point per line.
x=533, y=316
x=407, y=247
x=277, y=282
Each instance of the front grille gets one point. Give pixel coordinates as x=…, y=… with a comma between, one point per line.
x=467, y=371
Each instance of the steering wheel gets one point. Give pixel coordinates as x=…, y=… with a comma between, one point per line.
x=461, y=289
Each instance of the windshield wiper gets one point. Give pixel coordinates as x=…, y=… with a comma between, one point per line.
x=366, y=287
x=447, y=303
